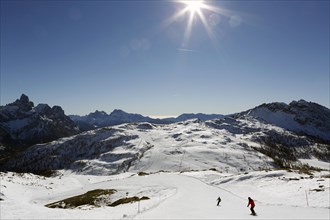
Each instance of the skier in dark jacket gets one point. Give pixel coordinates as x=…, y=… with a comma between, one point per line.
x=219, y=200
x=251, y=202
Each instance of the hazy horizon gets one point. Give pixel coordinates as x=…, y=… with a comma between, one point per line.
x=151, y=116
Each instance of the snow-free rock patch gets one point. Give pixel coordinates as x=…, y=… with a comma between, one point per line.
x=96, y=198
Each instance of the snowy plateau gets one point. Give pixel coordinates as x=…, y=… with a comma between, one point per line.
x=178, y=170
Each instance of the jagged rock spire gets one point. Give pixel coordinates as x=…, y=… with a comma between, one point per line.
x=23, y=103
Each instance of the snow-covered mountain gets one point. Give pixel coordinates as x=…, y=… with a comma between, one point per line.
x=257, y=137
x=302, y=117
x=99, y=119
x=200, y=116
x=170, y=164
x=226, y=144
x=22, y=124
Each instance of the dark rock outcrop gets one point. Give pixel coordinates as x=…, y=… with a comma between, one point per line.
x=22, y=124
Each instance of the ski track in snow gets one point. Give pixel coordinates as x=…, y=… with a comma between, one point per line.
x=173, y=195
x=189, y=195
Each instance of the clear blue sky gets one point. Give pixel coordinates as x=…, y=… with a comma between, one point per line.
x=139, y=57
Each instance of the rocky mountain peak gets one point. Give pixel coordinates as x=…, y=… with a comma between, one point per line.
x=118, y=112
x=24, y=103
x=43, y=109
x=24, y=98
x=275, y=106
x=299, y=116
x=308, y=106
x=58, y=111
x=22, y=124
x=97, y=114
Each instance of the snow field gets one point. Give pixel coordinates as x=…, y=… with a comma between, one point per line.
x=187, y=195
x=187, y=189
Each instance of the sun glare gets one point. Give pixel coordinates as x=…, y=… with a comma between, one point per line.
x=203, y=11
x=194, y=6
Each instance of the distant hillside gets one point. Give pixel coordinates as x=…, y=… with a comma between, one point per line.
x=302, y=117
x=100, y=119
x=200, y=116
x=231, y=144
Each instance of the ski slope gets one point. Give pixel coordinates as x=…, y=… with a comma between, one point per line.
x=188, y=164
x=188, y=195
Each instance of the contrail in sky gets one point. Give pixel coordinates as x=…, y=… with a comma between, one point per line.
x=185, y=50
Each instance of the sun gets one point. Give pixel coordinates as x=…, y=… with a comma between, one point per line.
x=194, y=6
x=194, y=11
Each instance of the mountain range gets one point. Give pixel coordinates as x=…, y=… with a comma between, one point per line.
x=269, y=135
x=22, y=124
x=99, y=119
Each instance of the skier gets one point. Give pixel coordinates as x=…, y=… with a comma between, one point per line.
x=219, y=200
x=251, y=202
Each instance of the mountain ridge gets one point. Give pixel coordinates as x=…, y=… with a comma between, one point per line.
x=22, y=124
x=302, y=117
x=235, y=144
x=269, y=135
x=99, y=119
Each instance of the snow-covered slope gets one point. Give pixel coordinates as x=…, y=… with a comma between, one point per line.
x=181, y=168
x=235, y=145
x=99, y=119
x=189, y=116
x=189, y=195
x=299, y=116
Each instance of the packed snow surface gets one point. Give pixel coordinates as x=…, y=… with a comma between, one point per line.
x=278, y=194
